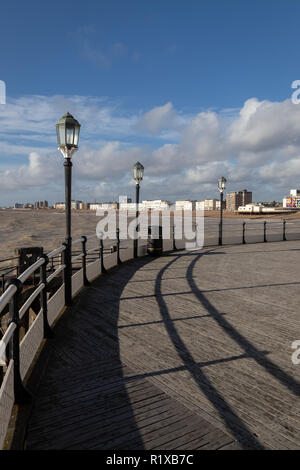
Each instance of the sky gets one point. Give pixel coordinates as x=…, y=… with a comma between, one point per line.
x=192, y=89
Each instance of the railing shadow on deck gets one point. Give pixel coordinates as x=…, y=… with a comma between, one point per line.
x=165, y=318
x=233, y=423
x=273, y=369
x=96, y=355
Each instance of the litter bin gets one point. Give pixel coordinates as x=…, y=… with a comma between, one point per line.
x=155, y=242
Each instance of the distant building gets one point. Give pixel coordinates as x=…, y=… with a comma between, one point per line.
x=157, y=204
x=208, y=205
x=185, y=205
x=129, y=206
x=293, y=200
x=60, y=206
x=124, y=199
x=236, y=199
x=251, y=209
x=40, y=204
x=94, y=206
x=75, y=205
x=18, y=206
x=106, y=206
x=84, y=205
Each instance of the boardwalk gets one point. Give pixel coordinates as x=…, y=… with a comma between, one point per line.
x=191, y=350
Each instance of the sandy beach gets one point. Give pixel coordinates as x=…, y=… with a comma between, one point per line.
x=20, y=228
x=40, y=228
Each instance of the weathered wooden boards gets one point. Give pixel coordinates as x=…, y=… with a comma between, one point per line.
x=190, y=350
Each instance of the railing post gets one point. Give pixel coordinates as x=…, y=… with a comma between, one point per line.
x=244, y=228
x=174, y=243
x=48, y=333
x=103, y=270
x=221, y=219
x=22, y=396
x=220, y=233
x=118, y=246
x=67, y=261
x=283, y=234
x=83, y=245
x=135, y=241
x=265, y=231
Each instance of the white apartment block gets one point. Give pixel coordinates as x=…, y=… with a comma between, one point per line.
x=208, y=205
x=128, y=206
x=185, y=205
x=75, y=204
x=105, y=206
x=251, y=209
x=94, y=206
x=156, y=205
x=60, y=205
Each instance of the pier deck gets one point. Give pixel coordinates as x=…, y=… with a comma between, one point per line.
x=191, y=350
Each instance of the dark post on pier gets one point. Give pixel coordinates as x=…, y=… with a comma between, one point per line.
x=221, y=186
x=67, y=129
x=138, y=173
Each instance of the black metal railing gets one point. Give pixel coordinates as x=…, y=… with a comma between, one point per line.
x=251, y=231
x=42, y=273
x=14, y=306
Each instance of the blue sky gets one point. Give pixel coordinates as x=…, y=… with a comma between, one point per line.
x=194, y=89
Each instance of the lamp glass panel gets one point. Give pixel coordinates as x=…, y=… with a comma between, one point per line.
x=138, y=172
x=62, y=135
x=70, y=135
x=76, y=135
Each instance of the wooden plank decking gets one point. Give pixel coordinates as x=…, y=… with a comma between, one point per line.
x=191, y=350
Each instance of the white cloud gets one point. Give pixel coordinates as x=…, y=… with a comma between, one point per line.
x=158, y=118
x=109, y=162
x=40, y=170
x=255, y=147
x=266, y=125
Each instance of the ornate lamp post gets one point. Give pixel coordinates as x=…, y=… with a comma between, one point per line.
x=67, y=129
x=137, y=173
x=221, y=186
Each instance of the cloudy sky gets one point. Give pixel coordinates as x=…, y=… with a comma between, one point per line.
x=194, y=90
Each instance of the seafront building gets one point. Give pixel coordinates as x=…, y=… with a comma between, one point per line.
x=60, y=206
x=75, y=205
x=293, y=200
x=158, y=204
x=251, y=209
x=235, y=199
x=185, y=205
x=84, y=205
x=146, y=205
x=208, y=205
x=104, y=206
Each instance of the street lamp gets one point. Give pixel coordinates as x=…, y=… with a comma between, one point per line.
x=221, y=186
x=137, y=173
x=67, y=129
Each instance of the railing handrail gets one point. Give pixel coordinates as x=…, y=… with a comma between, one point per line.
x=55, y=252
x=31, y=269
x=30, y=299
x=7, y=296
x=4, y=342
x=55, y=273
